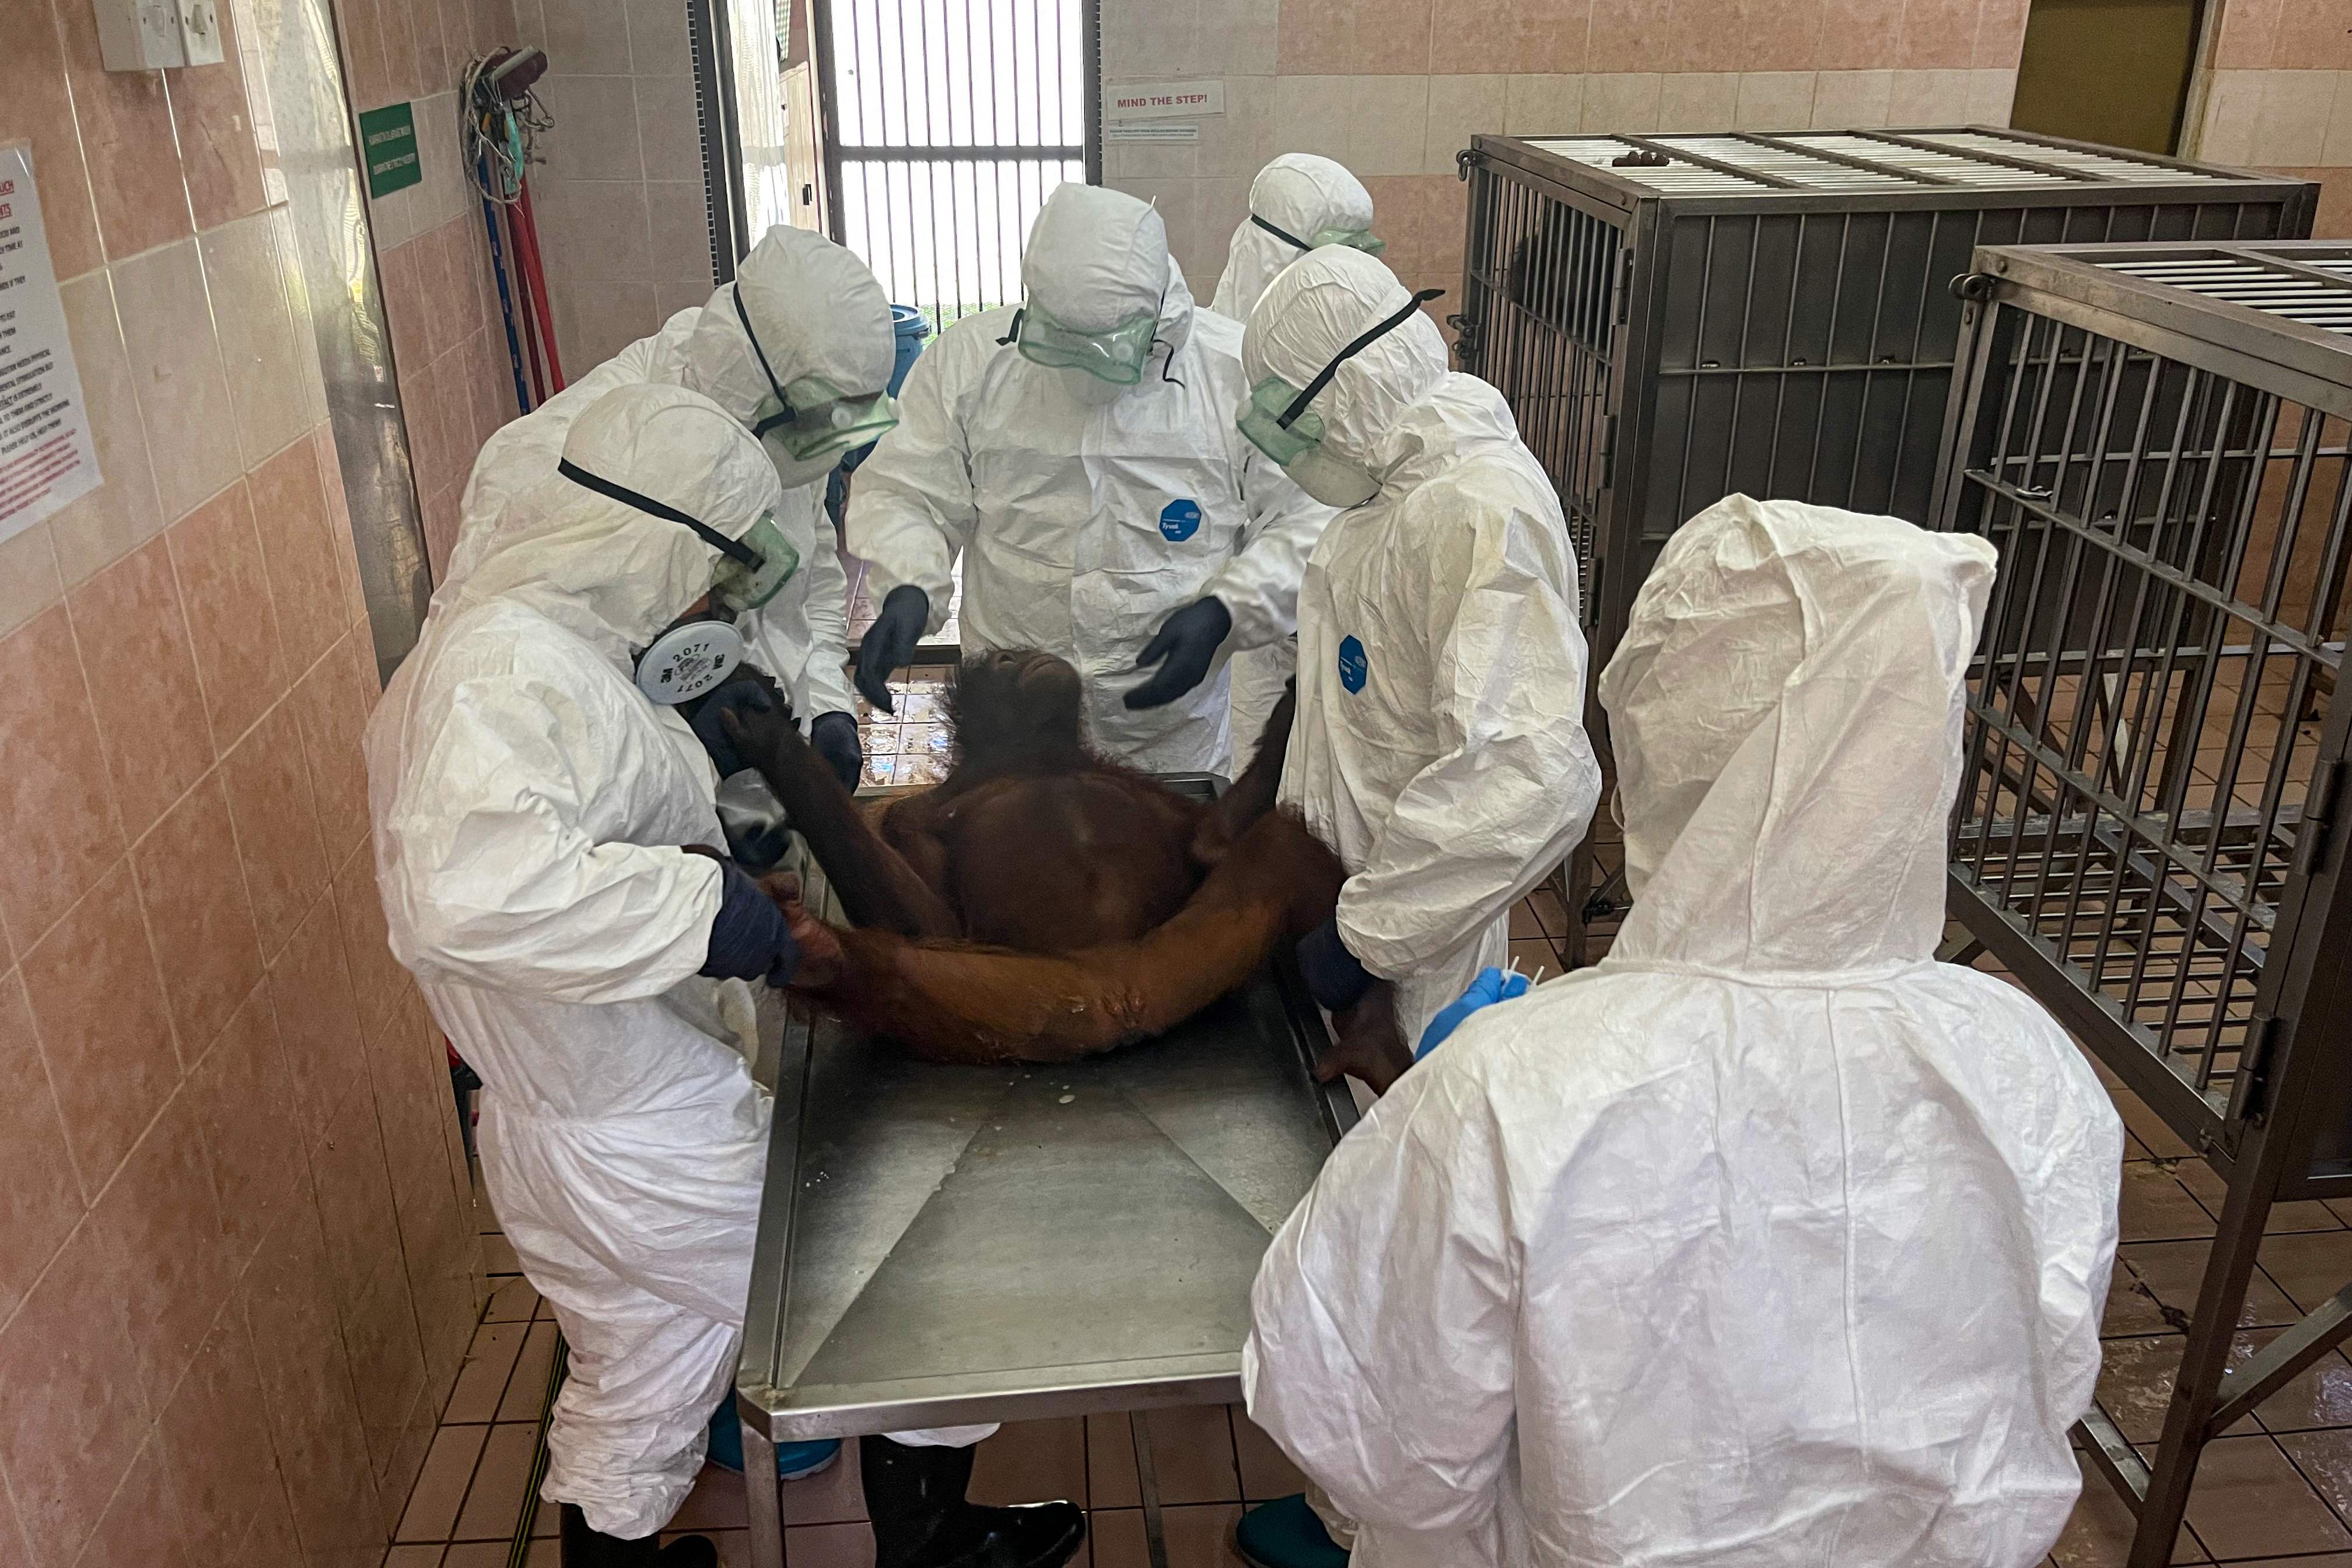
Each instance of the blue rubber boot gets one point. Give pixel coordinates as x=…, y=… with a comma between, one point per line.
x=795, y=1461
x=1285, y=1534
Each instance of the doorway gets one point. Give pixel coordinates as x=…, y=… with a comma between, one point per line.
x=2111, y=71
x=945, y=124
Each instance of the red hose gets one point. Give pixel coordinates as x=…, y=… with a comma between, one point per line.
x=529, y=228
x=523, y=273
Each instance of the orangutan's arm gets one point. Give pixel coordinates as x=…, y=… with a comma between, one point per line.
x=1253, y=795
x=877, y=888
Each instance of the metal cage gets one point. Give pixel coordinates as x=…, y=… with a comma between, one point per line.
x=2159, y=441
x=1769, y=314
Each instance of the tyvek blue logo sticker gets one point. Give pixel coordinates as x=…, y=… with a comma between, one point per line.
x=1180, y=520
x=1354, y=669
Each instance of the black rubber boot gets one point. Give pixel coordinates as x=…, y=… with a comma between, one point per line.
x=586, y=1547
x=916, y=1499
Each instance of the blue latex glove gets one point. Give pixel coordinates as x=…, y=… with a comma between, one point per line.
x=890, y=641
x=1187, y=641
x=750, y=940
x=736, y=696
x=834, y=736
x=1491, y=986
x=1333, y=977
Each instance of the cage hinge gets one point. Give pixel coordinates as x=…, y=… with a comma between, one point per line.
x=1624, y=283
x=1972, y=288
x=2261, y=1051
x=1466, y=160
x=1609, y=452
x=2318, y=817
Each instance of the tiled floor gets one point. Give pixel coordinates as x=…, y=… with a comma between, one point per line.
x=2277, y=1493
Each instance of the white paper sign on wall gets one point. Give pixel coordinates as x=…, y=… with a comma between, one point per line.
x=1162, y=101
x=47, y=461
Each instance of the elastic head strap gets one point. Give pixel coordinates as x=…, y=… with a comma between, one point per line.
x=734, y=550
x=1379, y=331
x=1289, y=240
x=735, y=297
x=1013, y=332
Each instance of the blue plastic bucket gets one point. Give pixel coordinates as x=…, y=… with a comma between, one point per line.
x=913, y=329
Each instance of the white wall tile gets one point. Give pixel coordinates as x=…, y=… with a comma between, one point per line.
x=1626, y=101
x=175, y=362
x=2290, y=130
x=595, y=135
x=1775, y=100
x=1388, y=124
x=1125, y=161
x=594, y=321
x=1698, y=100
x=657, y=39
x=1991, y=94
x=598, y=230
x=1460, y=107
x=1225, y=207
x=1239, y=38
x=2337, y=149
x=1157, y=41
x=1853, y=100
x=1543, y=105
x=679, y=218
x=1310, y=114
x=446, y=191
x=123, y=513
x=244, y=278
x=1237, y=143
x=584, y=38
x=1924, y=99
x=2233, y=104
x=668, y=131
x=28, y=577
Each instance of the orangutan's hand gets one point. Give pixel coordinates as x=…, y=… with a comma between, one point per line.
x=756, y=726
x=1369, y=1045
x=821, y=958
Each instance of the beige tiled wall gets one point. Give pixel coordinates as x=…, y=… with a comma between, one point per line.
x=2280, y=97
x=236, y=1273
x=620, y=200
x=1394, y=88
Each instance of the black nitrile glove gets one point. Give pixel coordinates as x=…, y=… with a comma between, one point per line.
x=890, y=641
x=750, y=940
x=735, y=696
x=834, y=736
x=1333, y=977
x=1188, y=641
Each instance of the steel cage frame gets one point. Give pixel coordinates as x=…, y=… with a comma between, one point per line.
x=2157, y=423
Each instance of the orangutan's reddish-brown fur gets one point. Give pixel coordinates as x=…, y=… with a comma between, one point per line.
x=1043, y=904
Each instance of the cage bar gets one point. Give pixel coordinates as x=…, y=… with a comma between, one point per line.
x=2158, y=439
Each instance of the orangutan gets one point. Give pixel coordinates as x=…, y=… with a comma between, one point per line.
x=1041, y=903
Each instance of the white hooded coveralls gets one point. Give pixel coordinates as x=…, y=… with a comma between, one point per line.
x=1769, y=1242
x=1439, y=745
x=819, y=312
x=1303, y=196
x=1082, y=526
x=529, y=805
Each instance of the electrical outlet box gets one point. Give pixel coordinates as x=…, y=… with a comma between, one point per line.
x=150, y=34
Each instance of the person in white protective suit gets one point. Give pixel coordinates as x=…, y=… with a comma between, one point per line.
x=1439, y=745
x=799, y=348
x=1768, y=1242
x=1298, y=203
x=542, y=823
x=1079, y=455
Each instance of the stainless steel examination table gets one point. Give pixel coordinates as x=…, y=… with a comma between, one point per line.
x=941, y=1245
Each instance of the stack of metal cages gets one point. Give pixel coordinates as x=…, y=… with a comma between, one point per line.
x=1674, y=319
x=2158, y=438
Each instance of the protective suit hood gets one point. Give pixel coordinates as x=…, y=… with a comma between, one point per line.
x=1097, y=257
x=1321, y=303
x=607, y=570
x=1786, y=706
x=818, y=309
x=1301, y=195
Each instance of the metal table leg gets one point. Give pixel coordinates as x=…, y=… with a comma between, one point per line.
x=1147, y=1483
x=766, y=1507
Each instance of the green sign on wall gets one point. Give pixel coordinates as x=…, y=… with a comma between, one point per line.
x=388, y=142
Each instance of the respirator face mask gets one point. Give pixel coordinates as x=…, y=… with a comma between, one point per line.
x=1362, y=239
x=702, y=647
x=1279, y=421
x=809, y=425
